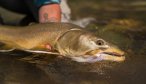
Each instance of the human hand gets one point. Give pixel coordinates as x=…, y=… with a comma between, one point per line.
x=50, y=13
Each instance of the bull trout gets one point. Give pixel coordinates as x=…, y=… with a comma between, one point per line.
x=67, y=39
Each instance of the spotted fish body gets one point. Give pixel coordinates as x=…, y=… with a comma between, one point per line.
x=68, y=39
x=32, y=36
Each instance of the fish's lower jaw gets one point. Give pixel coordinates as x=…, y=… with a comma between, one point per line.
x=98, y=58
x=78, y=59
x=108, y=57
x=113, y=58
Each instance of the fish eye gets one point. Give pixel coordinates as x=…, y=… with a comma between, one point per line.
x=100, y=42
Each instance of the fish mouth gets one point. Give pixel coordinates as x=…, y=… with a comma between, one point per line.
x=103, y=56
x=111, y=54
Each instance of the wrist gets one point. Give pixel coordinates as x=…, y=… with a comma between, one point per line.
x=50, y=13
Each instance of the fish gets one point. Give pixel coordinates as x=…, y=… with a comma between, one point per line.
x=66, y=39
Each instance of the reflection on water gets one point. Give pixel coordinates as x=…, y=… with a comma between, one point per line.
x=60, y=71
x=13, y=71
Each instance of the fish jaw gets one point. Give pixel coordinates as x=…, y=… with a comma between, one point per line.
x=106, y=57
x=98, y=57
x=111, y=54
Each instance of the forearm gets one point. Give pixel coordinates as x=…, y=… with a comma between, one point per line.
x=50, y=13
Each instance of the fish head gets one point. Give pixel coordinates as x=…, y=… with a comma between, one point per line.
x=94, y=49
